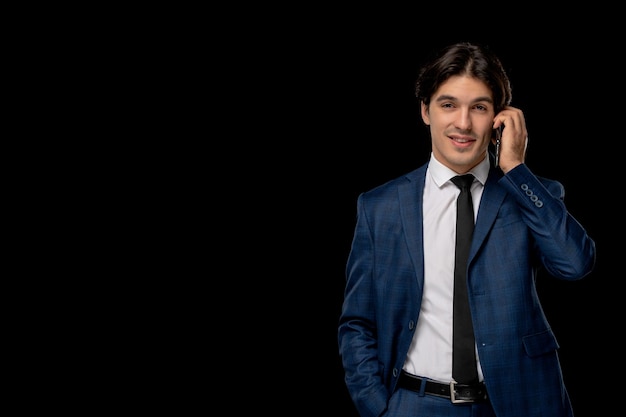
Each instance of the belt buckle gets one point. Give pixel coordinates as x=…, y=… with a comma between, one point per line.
x=466, y=394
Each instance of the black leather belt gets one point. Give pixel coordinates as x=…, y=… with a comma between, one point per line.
x=457, y=393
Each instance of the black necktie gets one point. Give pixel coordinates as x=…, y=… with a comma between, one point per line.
x=463, y=354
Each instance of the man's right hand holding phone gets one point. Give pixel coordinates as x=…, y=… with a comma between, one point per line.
x=514, y=138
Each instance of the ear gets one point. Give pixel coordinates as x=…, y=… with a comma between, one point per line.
x=425, y=116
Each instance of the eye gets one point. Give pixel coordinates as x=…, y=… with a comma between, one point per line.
x=481, y=107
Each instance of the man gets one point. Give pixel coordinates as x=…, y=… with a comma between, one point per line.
x=396, y=326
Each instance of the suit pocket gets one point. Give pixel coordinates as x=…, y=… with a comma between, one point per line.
x=540, y=343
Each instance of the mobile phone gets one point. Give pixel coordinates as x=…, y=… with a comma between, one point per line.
x=498, y=141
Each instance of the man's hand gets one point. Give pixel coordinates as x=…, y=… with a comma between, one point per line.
x=514, y=137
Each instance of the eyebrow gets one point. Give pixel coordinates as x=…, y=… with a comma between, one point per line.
x=445, y=97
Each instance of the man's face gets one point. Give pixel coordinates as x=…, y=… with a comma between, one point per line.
x=460, y=117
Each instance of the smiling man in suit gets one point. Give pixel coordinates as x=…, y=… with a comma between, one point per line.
x=395, y=330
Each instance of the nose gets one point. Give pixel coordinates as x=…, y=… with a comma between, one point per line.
x=463, y=122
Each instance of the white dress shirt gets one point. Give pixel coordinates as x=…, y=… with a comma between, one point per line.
x=430, y=354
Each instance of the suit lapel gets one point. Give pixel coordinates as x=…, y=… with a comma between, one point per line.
x=410, y=194
x=490, y=203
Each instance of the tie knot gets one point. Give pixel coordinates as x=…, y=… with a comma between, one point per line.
x=463, y=181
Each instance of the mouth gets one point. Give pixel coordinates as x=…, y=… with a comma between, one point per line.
x=462, y=140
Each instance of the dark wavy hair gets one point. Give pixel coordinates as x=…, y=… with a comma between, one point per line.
x=465, y=58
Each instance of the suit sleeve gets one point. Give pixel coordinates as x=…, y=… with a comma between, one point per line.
x=565, y=249
x=357, y=325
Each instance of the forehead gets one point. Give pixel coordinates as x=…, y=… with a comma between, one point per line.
x=463, y=88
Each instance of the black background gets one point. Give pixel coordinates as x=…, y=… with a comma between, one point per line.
x=268, y=124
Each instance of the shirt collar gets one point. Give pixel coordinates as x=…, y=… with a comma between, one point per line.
x=441, y=173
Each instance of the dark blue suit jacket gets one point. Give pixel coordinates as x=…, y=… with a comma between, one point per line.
x=522, y=225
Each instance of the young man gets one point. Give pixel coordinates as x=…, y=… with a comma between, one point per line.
x=396, y=326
